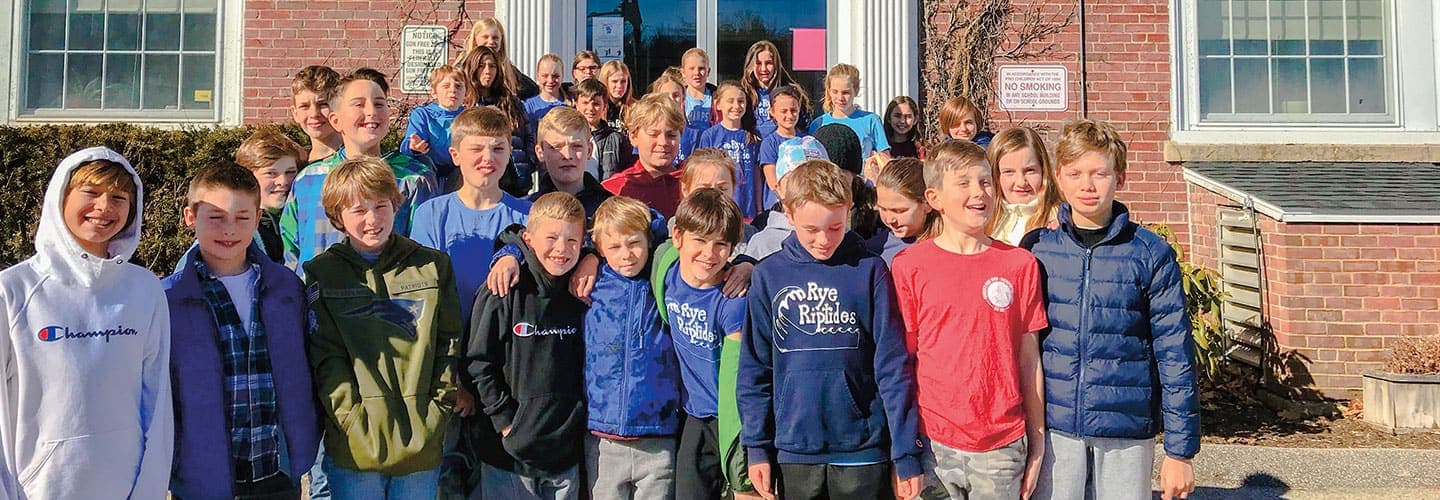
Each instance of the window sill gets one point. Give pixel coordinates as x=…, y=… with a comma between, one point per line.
x=1177, y=151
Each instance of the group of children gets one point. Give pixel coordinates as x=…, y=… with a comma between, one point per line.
x=583, y=293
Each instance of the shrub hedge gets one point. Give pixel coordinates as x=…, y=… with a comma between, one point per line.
x=165, y=159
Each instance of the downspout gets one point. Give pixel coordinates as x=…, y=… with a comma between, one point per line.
x=1084, y=75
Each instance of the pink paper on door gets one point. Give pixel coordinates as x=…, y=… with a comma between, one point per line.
x=809, y=49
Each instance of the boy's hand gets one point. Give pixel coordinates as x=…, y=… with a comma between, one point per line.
x=745, y=495
x=1034, y=456
x=504, y=274
x=582, y=281
x=464, y=402
x=1177, y=478
x=905, y=489
x=506, y=431
x=419, y=145
x=737, y=280
x=760, y=477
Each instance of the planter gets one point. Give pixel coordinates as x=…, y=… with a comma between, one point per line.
x=1399, y=402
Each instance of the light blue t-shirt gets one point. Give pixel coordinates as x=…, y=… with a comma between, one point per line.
x=737, y=145
x=867, y=125
x=699, y=321
x=467, y=236
x=697, y=119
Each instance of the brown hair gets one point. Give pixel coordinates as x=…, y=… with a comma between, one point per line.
x=710, y=157
x=584, y=55
x=917, y=133
x=1013, y=140
x=1083, y=136
x=710, y=211
x=950, y=156
x=317, y=78
x=267, y=146
x=654, y=109
x=559, y=206
x=747, y=120
x=781, y=78
x=108, y=175
x=355, y=76
x=356, y=179
x=500, y=92
x=438, y=75
x=223, y=175
x=816, y=181
x=485, y=121
x=621, y=215
x=592, y=88
x=907, y=177
x=955, y=110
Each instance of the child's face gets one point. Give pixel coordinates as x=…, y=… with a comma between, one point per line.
x=902, y=119
x=489, y=38
x=657, y=144
x=585, y=70
x=312, y=114
x=676, y=93
x=965, y=129
x=965, y=199
x=1021, y=177
x=819, y=228
x=275, y=181
x=618, y=85
x=564, y=154
x=1089, y=184
x=548, y=75
x=695, y=70
x=905, y=217
x=224, y=221
x=95, y=214
x=364, y=116
x=785, y=110
x=555, y=242
x=368, y=223
x=764, y=67
x=841, y=94
x=732, y=105
x=481, y=159
x=707, y=175
x=449, y=92
x=592, y=108
x=624, y=252
x=487, y=71
x=702, y=256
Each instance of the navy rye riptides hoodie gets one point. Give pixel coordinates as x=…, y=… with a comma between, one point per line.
x=824, y=374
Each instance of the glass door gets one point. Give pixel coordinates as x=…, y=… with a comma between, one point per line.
x=741, y=23
x=650, y=35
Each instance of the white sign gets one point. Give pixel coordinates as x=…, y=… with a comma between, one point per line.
x=1034, y=88
x=422, y=49
x=607, y=37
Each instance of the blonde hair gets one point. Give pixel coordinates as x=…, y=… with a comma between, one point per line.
x=653, y=109
x=554, y=59
x=357, y=179
x=948, y=157
x=955, y=110
x=610, y=69
x=439, y=74
x=670, y=75
x=621, y=215
x=108, y=175
x=710, y=157
x=1013, y=140
x=841, y=70
x=816, y=181
x=267, y=146
x=484, y=24
x=907, y=177
x=484, y=121
x=559, y=206
x=695, y=52
x=1084, y=136
x=562, y=120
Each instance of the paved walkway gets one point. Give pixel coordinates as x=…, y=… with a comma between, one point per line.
x=1256, y=472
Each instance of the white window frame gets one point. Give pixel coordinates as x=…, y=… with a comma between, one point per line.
x=1414, y=119
x=227, y=98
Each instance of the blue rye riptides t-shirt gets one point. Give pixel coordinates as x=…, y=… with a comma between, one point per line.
x=699, y=321
x=736, y=144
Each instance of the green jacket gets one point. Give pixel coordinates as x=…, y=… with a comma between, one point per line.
x=383, y=352
x=732, y=463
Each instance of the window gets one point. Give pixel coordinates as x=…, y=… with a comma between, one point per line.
x=118, y=59
x=1295, y=60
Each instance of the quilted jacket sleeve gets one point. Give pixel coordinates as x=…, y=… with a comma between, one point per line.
x=1174, y=352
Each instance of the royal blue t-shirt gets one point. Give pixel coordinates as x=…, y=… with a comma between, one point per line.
x=536, y=107
x=736, y=144
x=467, y=236
x=769, y=155
x=697, y=119
x=764, y=124
x=699, y=321
x=432, y=123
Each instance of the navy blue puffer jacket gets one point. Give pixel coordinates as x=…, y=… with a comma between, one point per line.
x=1118, y=356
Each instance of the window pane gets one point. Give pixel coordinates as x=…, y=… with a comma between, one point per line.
x=656, y=33
x=1251, y=26
x=122, y=81
x=1290, y=86
x=1214, y=27
x=162, y=25
x=1215, y=86
x=87, y=25
x=47, y=24
x=124, y=31
x=1287, y=27
x=1252, y=86
x=743, y=22
x=162, y=77
x=1366, y=27
x=199, y=81
x=82, y=81
x=1327, y=85
x=41, y=74
x=1327, y=27
x=199, y=24
x=1367, y=86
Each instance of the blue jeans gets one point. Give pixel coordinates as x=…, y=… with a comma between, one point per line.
x=347, y=484
x=319, y=483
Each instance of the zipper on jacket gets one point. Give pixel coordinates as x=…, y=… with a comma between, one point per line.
x=628, y=352
x=1080, y=340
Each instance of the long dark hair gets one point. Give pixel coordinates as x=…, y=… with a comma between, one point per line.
x=752, y=85
x=499, y=93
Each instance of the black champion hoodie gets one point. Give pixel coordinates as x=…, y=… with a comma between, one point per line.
x=526, y=355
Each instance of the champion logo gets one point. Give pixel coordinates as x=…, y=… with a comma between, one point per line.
x=57, y=333
x=523, y=329
x=529, y=330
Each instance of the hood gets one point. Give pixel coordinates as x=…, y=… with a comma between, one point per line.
x=58, y=252
x=851, y=248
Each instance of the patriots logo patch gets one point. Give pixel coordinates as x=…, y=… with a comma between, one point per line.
x=400, y=312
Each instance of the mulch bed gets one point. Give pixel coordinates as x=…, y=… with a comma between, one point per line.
x=1232, y=419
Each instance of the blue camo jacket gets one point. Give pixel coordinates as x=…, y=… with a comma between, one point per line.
x=632, y=376
x=1118, y=357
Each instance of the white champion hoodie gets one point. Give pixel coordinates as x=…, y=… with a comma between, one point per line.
x=84, y=364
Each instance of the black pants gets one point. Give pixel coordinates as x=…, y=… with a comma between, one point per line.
x=821, y=481
x=697, y=462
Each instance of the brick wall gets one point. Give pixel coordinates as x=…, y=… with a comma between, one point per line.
x=283, y=36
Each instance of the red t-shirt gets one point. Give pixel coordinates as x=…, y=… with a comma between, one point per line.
x=661, y=193
x=964, y=318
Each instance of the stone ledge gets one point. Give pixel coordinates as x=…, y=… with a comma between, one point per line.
x=1176, y=152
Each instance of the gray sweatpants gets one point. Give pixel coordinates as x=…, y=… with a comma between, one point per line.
x=952, y=473
x=1081, y=468
x=500, y=483
x=626, y=470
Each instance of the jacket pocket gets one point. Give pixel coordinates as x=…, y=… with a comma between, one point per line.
x=543, y=425
x=98, y=463
x=815, y=412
